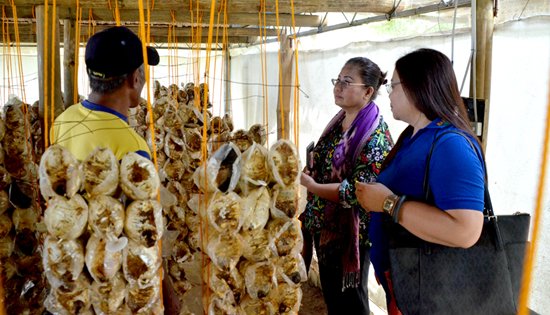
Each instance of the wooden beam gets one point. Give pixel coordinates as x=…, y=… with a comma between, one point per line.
x=228, y=107
x=32, y=38
x=242, y=6
x=182, y=17
x=285, y=84
x=156, y=30
x=69, y=63
x=484, y=56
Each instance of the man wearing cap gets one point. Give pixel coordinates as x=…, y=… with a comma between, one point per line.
x=114, y=62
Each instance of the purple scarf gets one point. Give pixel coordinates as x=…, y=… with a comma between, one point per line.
x=340, y=233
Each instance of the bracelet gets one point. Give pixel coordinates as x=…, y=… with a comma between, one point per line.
x=397, y=208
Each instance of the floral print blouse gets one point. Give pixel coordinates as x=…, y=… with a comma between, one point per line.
x=366, y=169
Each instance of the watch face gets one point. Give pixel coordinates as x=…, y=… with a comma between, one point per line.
x=388, y=204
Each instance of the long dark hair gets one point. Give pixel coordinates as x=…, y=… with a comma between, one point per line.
x=429, y=81
x=370, y=73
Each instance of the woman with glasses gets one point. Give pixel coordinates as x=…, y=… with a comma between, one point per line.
x=424, y=93
x=351, y=149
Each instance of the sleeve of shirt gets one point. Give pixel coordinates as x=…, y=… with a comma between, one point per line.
x=368, y=165
x=457, y=177
x=144, y=154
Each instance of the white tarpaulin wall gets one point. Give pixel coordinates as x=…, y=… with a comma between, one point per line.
x=520, y=83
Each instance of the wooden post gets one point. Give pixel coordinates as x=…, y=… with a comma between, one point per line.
x=69, y=47
x=228, y=108
x=45, y=51
x=285, y=84
x=484, y=43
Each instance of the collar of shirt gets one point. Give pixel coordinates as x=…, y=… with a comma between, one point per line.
x=97, y=107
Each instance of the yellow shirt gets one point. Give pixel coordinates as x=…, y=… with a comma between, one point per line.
x=85, y=126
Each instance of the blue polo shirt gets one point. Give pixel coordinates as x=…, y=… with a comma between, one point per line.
x=456, y=179
x=456, y=176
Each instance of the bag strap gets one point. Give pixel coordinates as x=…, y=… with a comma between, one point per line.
x=488, y=205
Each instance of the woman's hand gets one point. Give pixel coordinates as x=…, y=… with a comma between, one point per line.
x=371, y=195
x=306, y=180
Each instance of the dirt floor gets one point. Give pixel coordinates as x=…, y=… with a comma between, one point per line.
x=312, y=300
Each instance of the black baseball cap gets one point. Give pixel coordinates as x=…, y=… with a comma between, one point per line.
x=116, y=51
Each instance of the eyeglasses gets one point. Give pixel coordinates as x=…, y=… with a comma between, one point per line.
x=389, y=86
x=345, y=84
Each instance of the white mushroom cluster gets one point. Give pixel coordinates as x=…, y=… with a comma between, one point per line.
x=225, y=195
x=248, y=204
x=23, y=278
x=101, y=254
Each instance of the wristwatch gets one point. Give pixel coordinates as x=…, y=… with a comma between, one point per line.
x=389, y=204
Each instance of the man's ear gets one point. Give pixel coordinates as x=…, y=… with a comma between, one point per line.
x=134, y=79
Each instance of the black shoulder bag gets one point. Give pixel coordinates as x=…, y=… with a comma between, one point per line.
x=483, y=279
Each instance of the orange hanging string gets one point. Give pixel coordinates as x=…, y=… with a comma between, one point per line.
x=206, y=76
x=537, y=218
x=176, y=58
x=172, y=49
x=2, y=291
x=263, y=59
x=11, y=88
x=117, y=13
x=46, y=78
x=296, y=79
x=6, y=50
x=216, y=40
x=4, y=55
x=31, y=157
x=143, y=36
x=169, y=39
x=18, y=47
x=225, y=65
x=53, y=64
x=78, y=27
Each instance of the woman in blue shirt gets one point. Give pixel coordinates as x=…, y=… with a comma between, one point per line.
x=424, y=93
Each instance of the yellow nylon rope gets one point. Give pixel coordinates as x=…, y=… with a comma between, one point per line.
x=172, y=64
x=4, y=54
x=7, y=52
x=18, y=47
x=117, y=13
x=169, y=39
x=31, y=157
x=78, y=27
x=215, y=63
x=263, y=61
x=196, y=56
x=296, y=79
x=45, y=78
x=530, y=254
x=53, y=65
x=225, y=50
x=176, y=58
x=2, y=291
x=206, y=76
x=144, y=36
x=283, y=134
x=10, y=62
